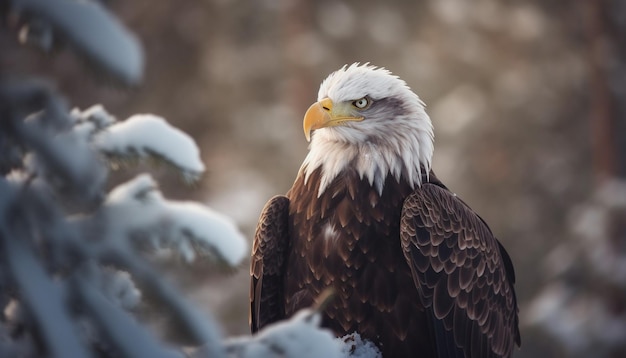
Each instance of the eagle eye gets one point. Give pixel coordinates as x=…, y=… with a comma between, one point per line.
x=361, y=103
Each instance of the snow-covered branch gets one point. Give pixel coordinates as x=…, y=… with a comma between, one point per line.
x=298, y=337
x=182, y=226
x=148, y=135
x=90, y=29
x=73, y=254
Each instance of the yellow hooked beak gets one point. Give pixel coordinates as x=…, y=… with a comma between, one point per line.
x=325, y=114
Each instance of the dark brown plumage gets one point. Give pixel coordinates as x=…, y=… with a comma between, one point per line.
x=415, y=270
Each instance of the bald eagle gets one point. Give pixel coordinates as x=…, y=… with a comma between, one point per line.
x=414, y=269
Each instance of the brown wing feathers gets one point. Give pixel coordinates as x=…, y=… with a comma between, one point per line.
x=463, y=275
x=269, y=251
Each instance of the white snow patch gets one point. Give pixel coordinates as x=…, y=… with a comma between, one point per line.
x=299, y=337
x=138, y=206
x=91, y=120
x=119, y=288
x=95, y=114
x=211, y=227
x=353, y=346
x=144, y=134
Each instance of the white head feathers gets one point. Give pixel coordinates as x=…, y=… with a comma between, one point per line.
x=395, y=137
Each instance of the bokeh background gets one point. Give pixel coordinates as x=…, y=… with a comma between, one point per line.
x=528, y=100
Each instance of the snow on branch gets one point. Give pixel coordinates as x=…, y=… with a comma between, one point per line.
x=149, y=135
x=353, y=346
x=92, y=119
x=298, y=337
x=138, y=209
x=68, y=253
x=91, y=30
x=51, y=315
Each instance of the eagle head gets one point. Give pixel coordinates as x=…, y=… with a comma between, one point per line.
x=368, y=118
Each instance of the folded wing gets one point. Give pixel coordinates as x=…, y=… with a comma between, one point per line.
x=464, y=276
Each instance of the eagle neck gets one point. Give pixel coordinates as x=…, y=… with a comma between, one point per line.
x=372, y=159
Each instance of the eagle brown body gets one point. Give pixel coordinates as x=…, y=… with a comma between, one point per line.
x=414, y=269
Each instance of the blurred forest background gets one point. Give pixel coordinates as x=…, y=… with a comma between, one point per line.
x=528, y=100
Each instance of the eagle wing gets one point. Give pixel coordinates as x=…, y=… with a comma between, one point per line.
x=269, y=250
x=463, y=274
